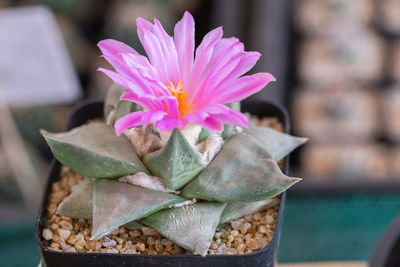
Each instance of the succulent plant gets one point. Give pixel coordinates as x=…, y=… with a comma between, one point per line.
x=165, y=159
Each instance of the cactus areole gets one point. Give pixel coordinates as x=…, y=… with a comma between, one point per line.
x=174, y=151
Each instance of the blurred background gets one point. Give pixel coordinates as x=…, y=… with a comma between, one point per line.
x=337, y=64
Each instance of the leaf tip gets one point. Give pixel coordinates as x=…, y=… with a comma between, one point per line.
x=43, y=132
x=296, y=180
x=304, y=140
x=202, y=247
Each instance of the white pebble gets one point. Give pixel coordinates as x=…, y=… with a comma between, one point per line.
x=109, y=242
x=47, y=234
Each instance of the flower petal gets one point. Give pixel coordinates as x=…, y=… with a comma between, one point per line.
x=112, y=51
x=147, y=101
x=213, y=124
x=226, y=115
x=171, y=104
x=116, y=77
x=144, y=74
x=247, y=62
x=241, y=88
x=153, y=48
x=141, y=64
x=168, y=123
x=237, y=66
x=203, y=55
x=170, y=54
x=184, y=43
x=208, y=114
x=227, y=49
x=136, y=119
x=110, y=47
x=137, y=86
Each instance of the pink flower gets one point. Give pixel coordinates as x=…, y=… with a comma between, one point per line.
x=178, y=85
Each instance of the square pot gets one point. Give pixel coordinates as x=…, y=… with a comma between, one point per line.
x=266, y=256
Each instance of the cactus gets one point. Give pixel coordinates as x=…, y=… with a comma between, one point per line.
x=179, y=160
x=242, y=178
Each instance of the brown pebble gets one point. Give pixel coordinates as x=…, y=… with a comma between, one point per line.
x=241, y=247
x=213, y=245
x=166, y=242
x=71, y=240
x=55, y=245
x=135, y=233
x=254, y=244
x=262, y=229
x=158, y=246
x=151, y=240
x=178, y=249
x=141, y=247
x=230, y=251
x=257, y=216
x=56, y=238
x=147, y=231
x=66, y=225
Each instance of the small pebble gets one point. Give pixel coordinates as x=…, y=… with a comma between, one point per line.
x=64, y=234
x=262, y=229
x=147, y=231
x=213, y=245
x=166, y=242
x=235, y=233
x=47, y=234
x=140, y=246
x=254, y=244
x=230, y=251
x=236, y=225
x=109, y=242
x=269, y=219
x=244, y=228
x=66, y=225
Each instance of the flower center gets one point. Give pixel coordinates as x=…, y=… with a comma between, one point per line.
x=184, y=106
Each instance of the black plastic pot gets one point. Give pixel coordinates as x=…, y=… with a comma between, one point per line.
x=387, y=251
x=266, y=257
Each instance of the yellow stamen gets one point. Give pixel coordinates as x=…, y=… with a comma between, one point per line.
x=184, y=106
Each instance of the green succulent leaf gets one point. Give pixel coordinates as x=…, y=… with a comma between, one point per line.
x=192, y=227
x=125, y=107
x=117, y=203
x=79, y=203
x=228, y=128
x=278, y=144
x=112, y=98
x=236, y=210
x=234, y=105
x=204, y=133
x=176, y=163
x=114, y=108
x=94, y=150
x=242, y=171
